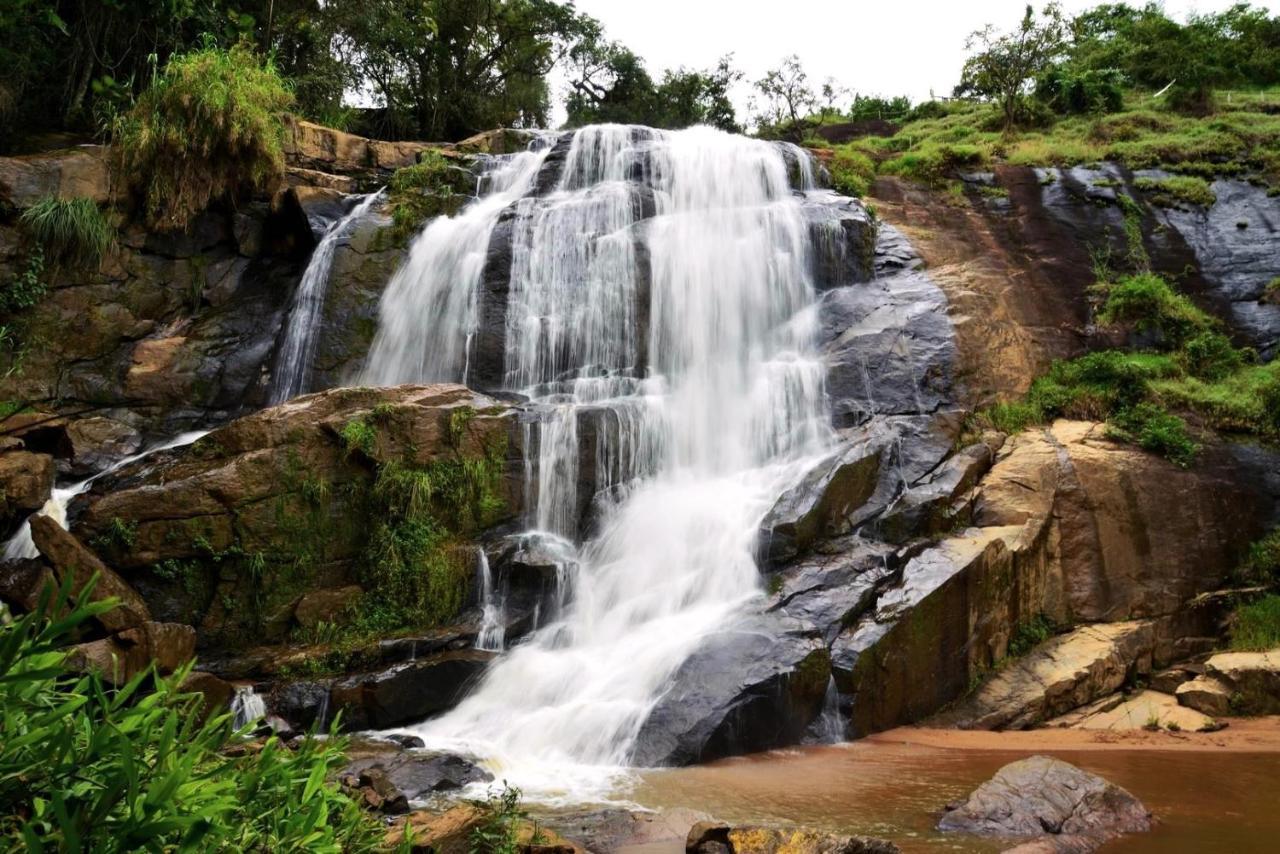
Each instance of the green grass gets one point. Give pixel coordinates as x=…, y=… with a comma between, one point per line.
x=1147, y=302
x=1176, y=190
x=1029, y=634
x=1257, y=626
x=207, y=128
x=852, y=171
x=73, y=231
x=432, y=187
x=1242, y=136
x=1261, y=566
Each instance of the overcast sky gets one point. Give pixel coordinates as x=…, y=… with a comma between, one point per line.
x=886, y=47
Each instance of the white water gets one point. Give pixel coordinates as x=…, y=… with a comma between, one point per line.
x=20, y=545
x=693, y=446
x=493, y=627
x=293, y=365
x=246, y=707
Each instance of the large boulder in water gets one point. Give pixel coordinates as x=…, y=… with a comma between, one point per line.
x=755, y=685
x=1043, y=796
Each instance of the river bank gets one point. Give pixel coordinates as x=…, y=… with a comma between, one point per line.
x=1208, y=791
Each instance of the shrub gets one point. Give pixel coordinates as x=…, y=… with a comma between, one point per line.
x=1257, y=626
x=852, y=171
x=1148, y=302
x=1261, y=565
x=1210, y=355
x=1168, y=192
x=1029, y=634
x=208, y=127
x=73, y=231
x=86, y=767
x=26, y=288
x=1067, y=90
x=1152, y=429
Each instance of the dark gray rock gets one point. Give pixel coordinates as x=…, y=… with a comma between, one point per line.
x=936, y=503
x=407, y=692
x=842, y=240
x=1044, y=796
x=835, y=588
x=753, y=686
x=416, y=775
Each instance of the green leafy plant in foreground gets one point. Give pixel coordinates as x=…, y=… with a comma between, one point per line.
x=87, y=767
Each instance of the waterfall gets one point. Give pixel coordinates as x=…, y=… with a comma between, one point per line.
x=830, y=726
x=657, y=292
x=246, y=707
x=20, y=546
x=293, y=365
x=493, y=615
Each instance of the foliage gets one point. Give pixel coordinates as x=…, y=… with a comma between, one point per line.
x=1069, y=91
x=1261, y=565
x=1148, y=302
x=499, y=833
x=867, y=107
x=852, y=171
x=26, y=288
x=430, y=188
x=1153, y=429
x=1257, y=626
x=207, y=128
x=1029, y=634
x=1002, y=65
x=1168, y=192
x=609, y=83
x=84, y=767
x=788, y=100
x=73, y=231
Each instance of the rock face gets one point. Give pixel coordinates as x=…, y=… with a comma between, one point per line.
x=1041, y=795
x=1253, y=678
x=26, y=480
x=226, y=533
x=75, y=563
x=1064, y=673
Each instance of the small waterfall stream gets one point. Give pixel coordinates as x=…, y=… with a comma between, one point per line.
x=293, y=364
x=20, y=546
x=660, y=289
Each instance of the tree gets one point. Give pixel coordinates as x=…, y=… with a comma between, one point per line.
x=1002, y=65
x=788, y=99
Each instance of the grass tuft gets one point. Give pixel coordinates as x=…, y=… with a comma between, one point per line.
x=72, y=231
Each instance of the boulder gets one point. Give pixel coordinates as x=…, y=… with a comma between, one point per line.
x=99, y=441
x=718, y=838
x=169, y=645
x=26, y=481
x=319, y=207
x=1143, y=710
x=1042, y=796
x=71, y=560
x=312, y=146
x=755, y=685
x=416, y=776
x=67, y=174
x=1254, y=679
x=21, y=582
x=1206, y=695
x=407, y=692
x=437, y=833
x=1064, y=673
x=217, y=692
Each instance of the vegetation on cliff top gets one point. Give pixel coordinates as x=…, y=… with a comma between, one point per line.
x=208, y=127
x=88, y=767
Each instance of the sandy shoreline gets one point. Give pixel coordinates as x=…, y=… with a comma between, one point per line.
x=1242, y=735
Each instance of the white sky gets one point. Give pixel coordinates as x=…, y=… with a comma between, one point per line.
x=886, y=47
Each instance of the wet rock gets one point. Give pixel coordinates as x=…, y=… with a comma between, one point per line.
x=169, y=645
x=22, y=581
x=97, y=442
x=320, y=208
x=614, y=829
x=835, y=587
x=26, y=481
x=1042, y=796
x=217, y=692
x=415, y=776
x=1064, y=673
x=940, y=500
x=120, y=657
x=716, y=838
x=303, y=703
x=1206, y=695
x=752, y=686
x=408, y=692
x=408, y=742
x=1253, y=677
x=843, y=242
x=71, y=560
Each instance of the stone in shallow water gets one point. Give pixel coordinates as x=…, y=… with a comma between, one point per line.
x=1041, y=796
x=708, y=837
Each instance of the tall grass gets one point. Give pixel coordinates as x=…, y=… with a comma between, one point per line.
x=69, y=230
x=209, y=127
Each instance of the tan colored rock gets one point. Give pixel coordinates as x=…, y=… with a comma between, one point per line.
x=1064, y=673
x=1206, y=695
x=26, y=481
x=314, y=146
x=71, y=559
x=112, y=660
x=217, y=692
x=438, y=833
x=169, y=645
x=1139, y=712
x=153, y=375
x=96, y=440
x=296, y=176
x=769, y=840
x=326, y=606
x=1253, y=677
x=396, y=155
x=66, y=174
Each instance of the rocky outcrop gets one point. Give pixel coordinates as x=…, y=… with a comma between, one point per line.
x=227, y=533
x=1252, y=678
x=67, y=174
x=1142, y=710
x=407, y=692
x=26, y=481
x=1043, y=796
x=1064, y=673
x=75, y=566
x=401, y=777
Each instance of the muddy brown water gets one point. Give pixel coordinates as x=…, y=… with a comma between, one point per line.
x=1203, y=800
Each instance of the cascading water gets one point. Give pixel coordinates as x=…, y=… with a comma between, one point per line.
x=660, y=290
x=20, y=546
x=293, y=365
x=492, y=632
x=247, y=706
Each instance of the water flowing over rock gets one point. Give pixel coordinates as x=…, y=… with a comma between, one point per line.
x=654, y=296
